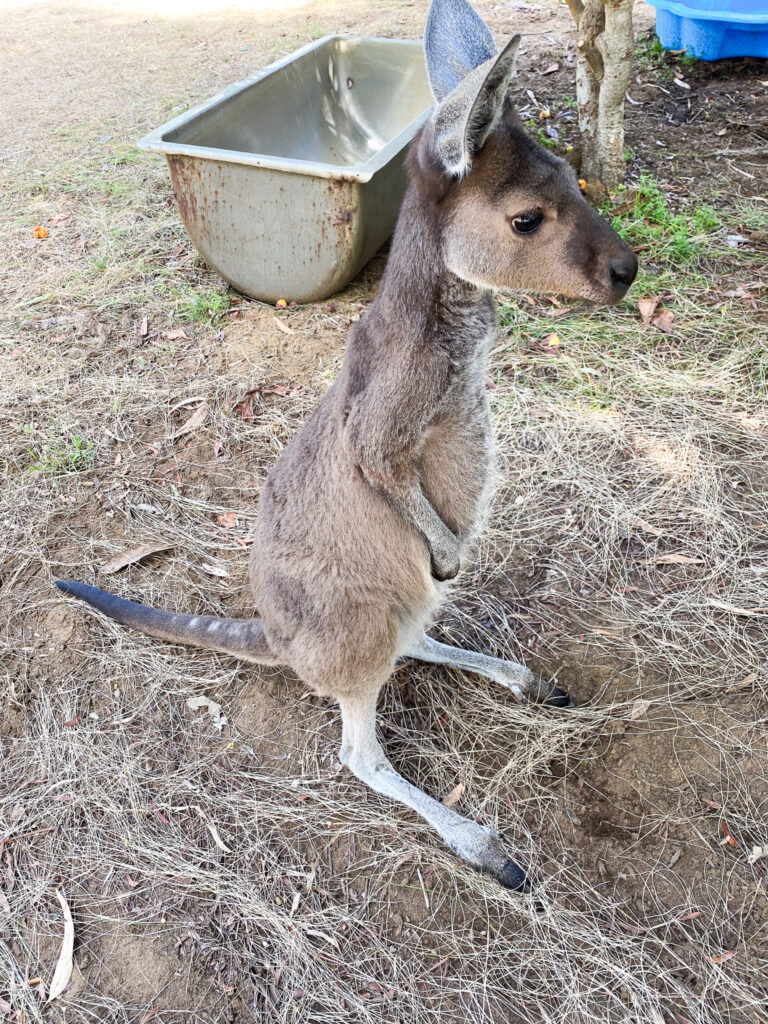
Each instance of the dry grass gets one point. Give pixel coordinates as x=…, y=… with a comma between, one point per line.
x=627, y=545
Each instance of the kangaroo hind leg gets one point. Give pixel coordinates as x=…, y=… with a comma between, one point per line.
x=510, y=674
x=363, y=755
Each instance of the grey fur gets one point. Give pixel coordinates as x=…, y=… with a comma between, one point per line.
x=463, y=121
x=456, y=41
x=380, y=493
x=243, y=638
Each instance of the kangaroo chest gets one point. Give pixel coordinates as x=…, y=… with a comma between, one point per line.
x=456, y=459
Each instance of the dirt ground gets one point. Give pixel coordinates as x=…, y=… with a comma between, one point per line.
x=232, y=871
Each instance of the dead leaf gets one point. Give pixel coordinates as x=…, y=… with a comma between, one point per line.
x=757, y=853
x=675, y=558
x=552, y=67
x=745, y=682
x=647, y=308
x=283, y=327
x=455, y=795
x=214, y=833
x=723, y=957
x=641, y=523
x=664, y=320
x=726, y=607
x=60, y=220
x=245, y=407
x=64, y=965
x=159, y=814
x=729, y=840
x=80, y=244
x=213, y=709
x=214, y=570
x=285, y=389
x=144, y=327
x=322, y=935
x=192, y=400
x=177, y=332
x=227, y=519
x=197, y=419
x=133, y=555
x=203, y=702
x=639, y=708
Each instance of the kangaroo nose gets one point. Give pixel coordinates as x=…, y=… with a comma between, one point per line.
x=622, y=272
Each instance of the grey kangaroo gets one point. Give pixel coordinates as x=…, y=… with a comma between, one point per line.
x=371, y=506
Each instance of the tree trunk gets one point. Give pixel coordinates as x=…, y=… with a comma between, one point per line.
x=606, y=43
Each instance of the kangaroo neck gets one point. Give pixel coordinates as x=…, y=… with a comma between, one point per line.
x=420, y=293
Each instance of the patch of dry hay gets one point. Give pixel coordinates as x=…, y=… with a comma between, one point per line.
x=332, y=902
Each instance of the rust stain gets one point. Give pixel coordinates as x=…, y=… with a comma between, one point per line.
x=185, y=187
x=344, y=217
x=209, y=204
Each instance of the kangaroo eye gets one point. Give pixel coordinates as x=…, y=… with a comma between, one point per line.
x=527, y=222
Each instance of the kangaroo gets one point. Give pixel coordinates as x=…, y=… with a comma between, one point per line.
x=369, y=510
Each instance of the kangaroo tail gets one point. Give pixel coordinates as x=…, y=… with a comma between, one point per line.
x=243, y=638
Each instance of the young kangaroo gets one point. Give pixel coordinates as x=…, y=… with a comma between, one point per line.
x=370, y=507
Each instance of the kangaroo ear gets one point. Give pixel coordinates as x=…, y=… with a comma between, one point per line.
x=466, y=117
x=456, y=41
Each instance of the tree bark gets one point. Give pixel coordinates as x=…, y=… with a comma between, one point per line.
x=606, y=44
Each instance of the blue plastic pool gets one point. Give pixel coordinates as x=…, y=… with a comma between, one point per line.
x=713, y=29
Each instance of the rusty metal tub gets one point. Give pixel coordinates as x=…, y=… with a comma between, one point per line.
x=290, y=181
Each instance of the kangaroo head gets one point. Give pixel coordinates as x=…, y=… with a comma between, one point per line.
x=511, y=213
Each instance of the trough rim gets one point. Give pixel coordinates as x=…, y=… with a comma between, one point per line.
x=363, y=172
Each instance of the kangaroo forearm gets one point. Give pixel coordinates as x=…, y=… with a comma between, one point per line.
x=414, y=506
x=403, y=489
x=426, y=517
x=444, y=546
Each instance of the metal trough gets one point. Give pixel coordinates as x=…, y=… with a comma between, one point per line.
x=290, y=181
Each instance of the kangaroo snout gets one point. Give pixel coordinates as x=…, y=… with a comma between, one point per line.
x=621, y=273
x=602, y=264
